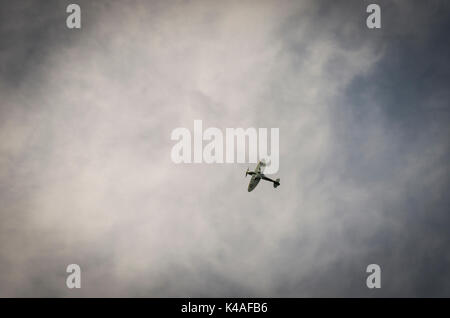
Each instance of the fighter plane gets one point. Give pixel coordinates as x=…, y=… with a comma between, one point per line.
x=258, y=174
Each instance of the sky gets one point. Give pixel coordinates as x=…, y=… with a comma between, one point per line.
x=86, y=175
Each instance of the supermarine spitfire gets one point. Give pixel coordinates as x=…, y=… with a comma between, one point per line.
x=258, y=174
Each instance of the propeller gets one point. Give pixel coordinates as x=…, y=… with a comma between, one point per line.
x=246, y=172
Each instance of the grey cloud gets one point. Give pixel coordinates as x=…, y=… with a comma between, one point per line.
x=85, y=170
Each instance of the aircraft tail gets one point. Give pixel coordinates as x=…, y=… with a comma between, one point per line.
x=276, y=183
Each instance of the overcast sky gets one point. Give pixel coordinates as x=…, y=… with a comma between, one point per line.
x=86, y=175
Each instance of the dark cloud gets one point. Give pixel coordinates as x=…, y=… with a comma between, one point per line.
x=85, y=170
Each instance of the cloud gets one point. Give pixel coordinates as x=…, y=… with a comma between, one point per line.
x=85, y=168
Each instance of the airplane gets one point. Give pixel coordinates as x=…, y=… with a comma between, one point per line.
x=258, y=174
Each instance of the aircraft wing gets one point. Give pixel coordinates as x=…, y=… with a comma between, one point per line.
x=253, y=182
x=260, y=167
